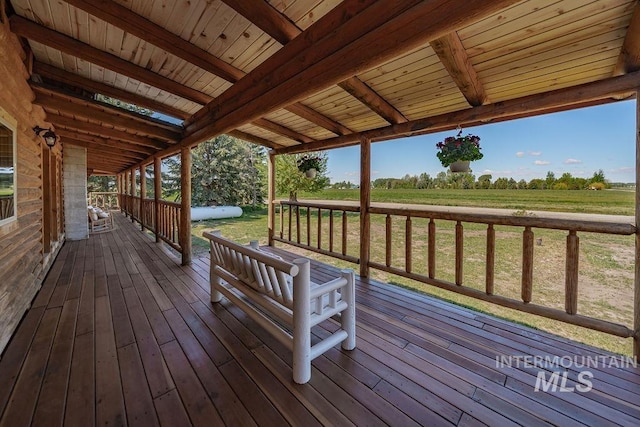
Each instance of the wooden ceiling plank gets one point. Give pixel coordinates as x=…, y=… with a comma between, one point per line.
x=32, y=31
x=454, y=57
x=254, y=139
x=278, y=26
x=362, y=92
x=267, y=18
x=319, y=119
x=144, y=29
x=629, y=59
x=586, y=94
x=282, y=130
x=78, y=136
x=90, y=112
x=70, y=79
x=106, y=150
x=74, y=124
x=351, y=53
x=63, y=94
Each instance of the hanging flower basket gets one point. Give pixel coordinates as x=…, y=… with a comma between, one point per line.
x=309, y=165
x=459, y=148
x=460, y=166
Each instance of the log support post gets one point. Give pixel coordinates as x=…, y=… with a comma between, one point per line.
x=365, y=204
x=185, y=208
x=132, y=184
x=157, y=195
x=636, y=298
x=143, y=194
x=271, y=196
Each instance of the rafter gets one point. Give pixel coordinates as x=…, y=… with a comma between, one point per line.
x=56, y=74
x=278, y=26
x=103, y=142
x=75, y=124
x=32, y=31
x=144, y=29
x=94, y=111
x=330, y=59
x=588, y=94
x=282, y=130
x=454, y=57
x=254, y=139
x=629, y=58
x=313, y=116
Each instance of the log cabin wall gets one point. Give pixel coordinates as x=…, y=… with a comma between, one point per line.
x=23, y=262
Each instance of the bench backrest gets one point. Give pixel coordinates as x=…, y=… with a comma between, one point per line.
x=261, y=271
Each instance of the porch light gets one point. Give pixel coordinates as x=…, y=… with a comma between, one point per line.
x=49, y=136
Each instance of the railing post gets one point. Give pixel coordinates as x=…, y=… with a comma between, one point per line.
x=365, y=204
x=490, y=259
x=636, y=292
x=527, y=265
x=143, y=194
x=132, y=183
x=459, y=252
x=157, y=195
x=185, y=210
x=571, y=273
x=271, y=195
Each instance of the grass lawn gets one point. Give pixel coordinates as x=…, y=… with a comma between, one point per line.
x=606, y=262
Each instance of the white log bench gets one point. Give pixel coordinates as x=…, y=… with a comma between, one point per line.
x=281, y=297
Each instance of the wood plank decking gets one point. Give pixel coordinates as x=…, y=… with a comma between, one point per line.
x=121, y=334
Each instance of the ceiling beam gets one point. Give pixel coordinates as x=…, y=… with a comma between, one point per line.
x=278, y=26
x=89, y=111
x=342, y=53
x=254, y=139
x=363, y=93
x=282, y=130
x=313, y=116
x=454, y=57
x=41, y=34
x=56, y=74
x=173, y=44
x=74, y=124
x=64, y=133
x=587, y=94
x=629, y=58
x=112, y=152
x=121, y=17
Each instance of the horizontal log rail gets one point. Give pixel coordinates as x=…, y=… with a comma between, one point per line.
x=306, y=213
x=295, y=215
x=105, y=200
x=166, y=226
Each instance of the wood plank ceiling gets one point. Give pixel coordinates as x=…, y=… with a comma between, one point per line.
x=311, y=74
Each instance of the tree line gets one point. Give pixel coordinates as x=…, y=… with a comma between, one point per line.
x=448, y=180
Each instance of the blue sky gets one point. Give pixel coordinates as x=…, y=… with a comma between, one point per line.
x=579, y=142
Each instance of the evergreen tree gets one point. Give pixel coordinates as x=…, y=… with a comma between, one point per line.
x=289, y=180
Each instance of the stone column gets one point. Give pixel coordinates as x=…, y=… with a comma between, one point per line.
x=76, y=221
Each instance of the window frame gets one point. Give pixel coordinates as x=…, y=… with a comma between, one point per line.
x=9, y=124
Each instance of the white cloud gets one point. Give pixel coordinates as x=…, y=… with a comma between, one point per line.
x=541, y=162
x=624, y=169
x=535, y=153
x=520, y=154
x=352, y=174
x=572, y=162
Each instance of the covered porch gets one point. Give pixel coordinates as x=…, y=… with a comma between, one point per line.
x=122, y=334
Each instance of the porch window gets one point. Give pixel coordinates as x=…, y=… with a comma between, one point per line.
x=7, y=172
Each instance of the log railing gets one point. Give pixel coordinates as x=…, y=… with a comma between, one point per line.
x=168, y=223
x=166, y=226
x=399, y=247
x=104, y=200
x=319, y=227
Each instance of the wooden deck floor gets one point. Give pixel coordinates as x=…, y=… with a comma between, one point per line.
x=120, y=334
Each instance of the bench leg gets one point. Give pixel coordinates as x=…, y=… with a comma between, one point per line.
x=214, y=281
x=348, y=316
x=301, y=323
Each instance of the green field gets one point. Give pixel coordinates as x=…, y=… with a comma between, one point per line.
x=606, y=262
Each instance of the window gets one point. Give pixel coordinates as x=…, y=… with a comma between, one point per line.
x=7, y=172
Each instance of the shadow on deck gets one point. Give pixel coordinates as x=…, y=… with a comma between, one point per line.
x=120, y=334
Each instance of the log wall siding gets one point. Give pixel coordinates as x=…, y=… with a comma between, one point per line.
x=22, y=262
